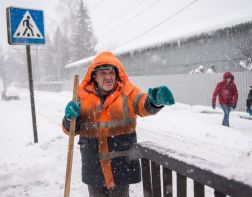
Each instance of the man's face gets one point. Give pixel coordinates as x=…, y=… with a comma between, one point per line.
x=105, y=79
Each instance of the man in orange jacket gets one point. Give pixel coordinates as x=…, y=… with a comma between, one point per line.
x=106, y=122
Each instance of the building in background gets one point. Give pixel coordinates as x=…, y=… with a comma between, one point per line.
x=226, y=48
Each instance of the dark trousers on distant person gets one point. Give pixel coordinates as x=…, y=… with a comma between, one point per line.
x=226, y=109
x=99, y=191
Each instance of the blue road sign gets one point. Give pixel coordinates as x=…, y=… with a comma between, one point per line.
x=25, y=26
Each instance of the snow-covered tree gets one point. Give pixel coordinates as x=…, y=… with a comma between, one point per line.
x=2, y=75
x=61, y=44
x=65, y=11
x=47, y=61
x=1, y=60
x=83, y=40
x=14, y=66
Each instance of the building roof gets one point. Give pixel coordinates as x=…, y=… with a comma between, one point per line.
x=207, y=27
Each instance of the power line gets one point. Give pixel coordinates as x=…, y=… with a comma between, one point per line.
x=126, y=12
x=114, y=16
x=96, y=5
x=130, y=19
x=121, y=13
x=157, y=25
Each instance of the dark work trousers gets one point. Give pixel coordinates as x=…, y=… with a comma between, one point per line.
x=118, y=191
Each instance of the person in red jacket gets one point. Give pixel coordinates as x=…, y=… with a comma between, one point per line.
x=228, y=96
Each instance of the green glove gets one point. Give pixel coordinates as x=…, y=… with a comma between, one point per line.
x=72, y=110
x=161, y=96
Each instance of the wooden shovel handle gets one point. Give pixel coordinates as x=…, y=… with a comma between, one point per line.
x=71, y=141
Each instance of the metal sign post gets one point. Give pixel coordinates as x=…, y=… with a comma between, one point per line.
x=29, y=66
x=25, y=27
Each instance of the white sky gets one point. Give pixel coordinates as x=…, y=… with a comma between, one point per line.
x=109, y=15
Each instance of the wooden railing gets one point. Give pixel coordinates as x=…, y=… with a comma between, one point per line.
x=156, y=184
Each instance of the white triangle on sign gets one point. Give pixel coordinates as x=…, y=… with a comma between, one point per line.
x=27, y=28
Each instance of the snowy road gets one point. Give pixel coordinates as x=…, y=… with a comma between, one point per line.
x=28, y=170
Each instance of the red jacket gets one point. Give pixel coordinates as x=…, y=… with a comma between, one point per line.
x=227, y=92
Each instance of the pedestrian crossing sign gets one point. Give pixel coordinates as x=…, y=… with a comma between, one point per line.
x=25, y=26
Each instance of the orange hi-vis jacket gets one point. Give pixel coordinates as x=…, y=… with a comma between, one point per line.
x=111, y=124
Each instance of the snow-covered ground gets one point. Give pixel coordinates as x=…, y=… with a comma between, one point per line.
x=38, y=170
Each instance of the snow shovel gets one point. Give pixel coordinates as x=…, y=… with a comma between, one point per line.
x=71, y=142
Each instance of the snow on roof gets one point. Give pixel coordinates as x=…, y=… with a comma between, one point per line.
x=80, y=62
x=214, y=24
x=229, y=20
x=86, y=61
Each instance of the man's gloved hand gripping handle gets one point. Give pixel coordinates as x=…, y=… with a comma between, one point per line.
x=72, y=110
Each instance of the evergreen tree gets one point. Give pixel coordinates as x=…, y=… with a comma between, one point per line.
x=82, y=38
x=61, y=44
x=66, y=10
x=14, y=66
x=2, y=69
x=1, y=61
x=47, y=61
